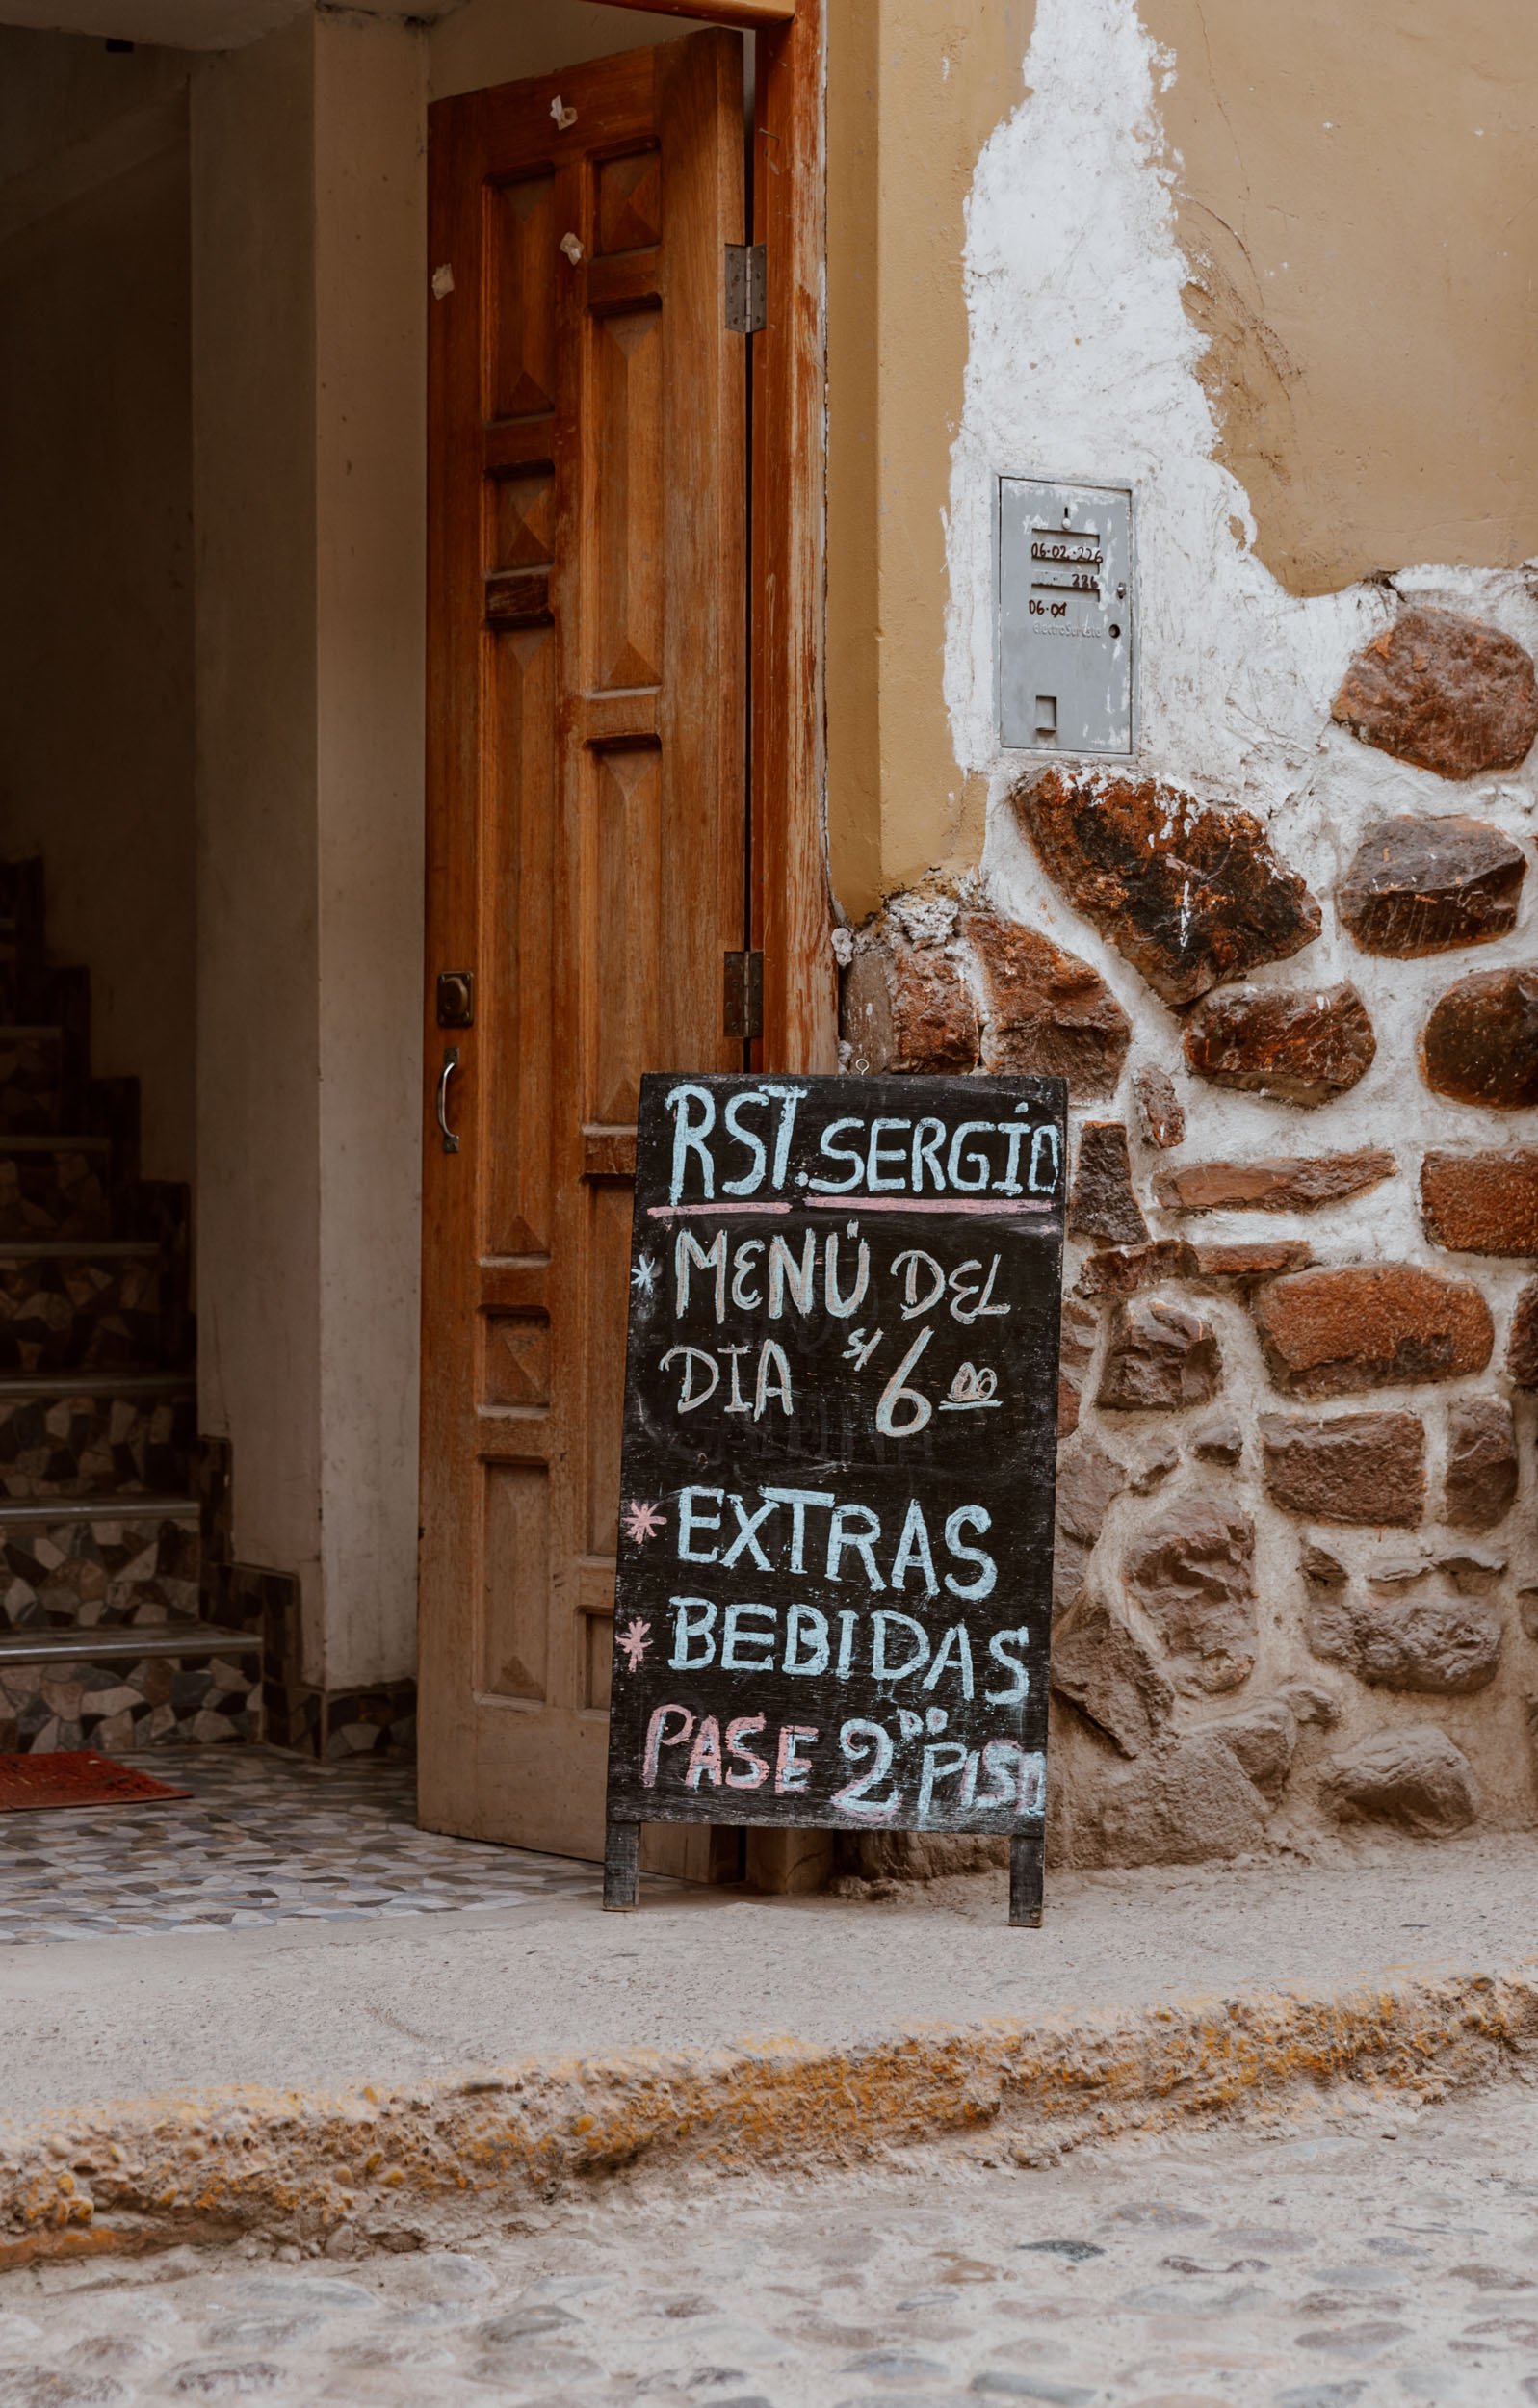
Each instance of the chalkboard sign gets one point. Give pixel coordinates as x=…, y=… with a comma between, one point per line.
x=834, y=1593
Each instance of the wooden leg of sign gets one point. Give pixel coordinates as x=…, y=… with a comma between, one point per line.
x=621, y=1867
x=1025, y=1880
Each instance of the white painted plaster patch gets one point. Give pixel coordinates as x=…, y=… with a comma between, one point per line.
x=1083, y=364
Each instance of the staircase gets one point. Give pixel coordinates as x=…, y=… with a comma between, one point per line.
x=105, y=1636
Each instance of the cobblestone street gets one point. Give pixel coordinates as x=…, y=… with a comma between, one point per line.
x=1361, y=2258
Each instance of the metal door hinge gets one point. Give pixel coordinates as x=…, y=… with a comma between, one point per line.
x=747, y=278
x=744, y=996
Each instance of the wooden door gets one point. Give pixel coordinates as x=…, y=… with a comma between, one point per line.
x=586, y=855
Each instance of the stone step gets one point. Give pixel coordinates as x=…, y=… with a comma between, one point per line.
x=72, y=1306
x=117, y=1690
x=55, y=1186
x=35, y=1079
x=88, y=1562
x=76, y=1434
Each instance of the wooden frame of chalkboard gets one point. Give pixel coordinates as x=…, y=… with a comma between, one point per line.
x=834, y=1595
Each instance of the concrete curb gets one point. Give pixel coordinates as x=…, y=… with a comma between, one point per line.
x=376, y=2164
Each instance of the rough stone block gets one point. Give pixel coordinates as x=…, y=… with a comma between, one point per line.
x=1336, y=1333
x=1447, y=692
x=1292, y=1184
x=1321, y=1570
x=1481, y=1044
x=1188, y=1803
x=1250, y=1258
x=1414, y=1779
x=1444, y=1646
x=1152, y=1466
x=1427, y=885
x=1311, y=1704
x=1103, y=1203
x=1474, y=1571
x=1521, y=1346
x=1122, y=1270
x=1190, y=893
x=1192, y=1571
x=1079, y=1329
x=906, y=1008
x=1218, y=1438
x=1367, y=1468
x=1160, y=1357
x=1047, y=1012
x=1388, y=1575
x=1482, y=1461
x=1090, y=1480
x=1263, y=1742
x=1103, y=1668
x=1481, y=1203
x=1300, y=1046
x=1159, y=1106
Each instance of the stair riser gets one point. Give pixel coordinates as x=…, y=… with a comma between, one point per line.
x=157, y=1702
x=57, y=1194
x=34, y=1088
x=75, y=1313
x=102, y=1575
x=33, y=996
x=75, y=1575
x=91, y=1446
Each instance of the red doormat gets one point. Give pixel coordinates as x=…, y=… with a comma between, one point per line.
x=76, y=1777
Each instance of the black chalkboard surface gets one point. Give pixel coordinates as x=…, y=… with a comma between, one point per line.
x=836, y=1512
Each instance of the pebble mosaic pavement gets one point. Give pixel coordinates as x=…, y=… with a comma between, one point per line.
x=1351, y=2262
x=264, y=1839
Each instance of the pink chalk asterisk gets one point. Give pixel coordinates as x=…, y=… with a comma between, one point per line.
x=632, y=1644
x=643, y=1520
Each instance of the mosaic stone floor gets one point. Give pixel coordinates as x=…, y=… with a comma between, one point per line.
x=264, y=1839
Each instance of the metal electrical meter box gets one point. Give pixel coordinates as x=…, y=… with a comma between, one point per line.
x=1065, y=616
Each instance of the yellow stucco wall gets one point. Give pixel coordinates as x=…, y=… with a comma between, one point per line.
x=1355, y=191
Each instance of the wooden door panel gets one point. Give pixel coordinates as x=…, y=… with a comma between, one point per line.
x=585, y=858
x=516, y=1579
x=630, y=201
x=626, y=930
x=626, y=534
x=518, y=1005
x=523, y=262
x=523, y=528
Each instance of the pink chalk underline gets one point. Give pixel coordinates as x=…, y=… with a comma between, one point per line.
x=927, y=1204
x=852, y=1203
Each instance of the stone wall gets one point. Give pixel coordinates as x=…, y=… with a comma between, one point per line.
x=1297, y=1568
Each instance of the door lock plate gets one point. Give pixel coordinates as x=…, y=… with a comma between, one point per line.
x=456, y=999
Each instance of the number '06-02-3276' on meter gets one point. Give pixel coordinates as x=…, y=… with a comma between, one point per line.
x=833, y=1602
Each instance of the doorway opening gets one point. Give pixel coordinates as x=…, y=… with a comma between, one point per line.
x=625, y=798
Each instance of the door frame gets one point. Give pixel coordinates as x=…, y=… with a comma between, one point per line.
x=791, y=905
x=787, y=603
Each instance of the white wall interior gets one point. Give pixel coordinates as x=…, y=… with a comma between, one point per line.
x=370, y=304
x=309, y=292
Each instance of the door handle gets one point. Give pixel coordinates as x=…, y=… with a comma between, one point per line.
x=451, y=1064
